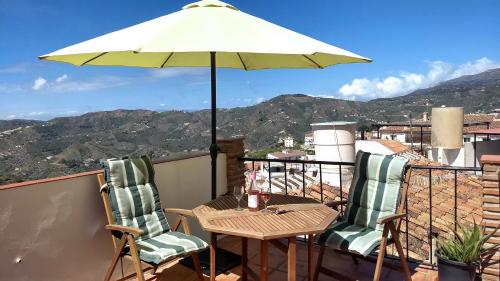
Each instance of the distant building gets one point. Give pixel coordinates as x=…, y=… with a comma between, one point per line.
x=403, y=134
x=493, y=123
x=309, y=140
x=288, y=142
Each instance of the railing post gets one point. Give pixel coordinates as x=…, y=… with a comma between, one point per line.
x=421, y=139
x=321, y=183
x=475, y=151
x=286, y=182
x=340, y=187
x=269, y=173
x=456, y=202
x=430, y=215
x=304, y=179
x=407, y=228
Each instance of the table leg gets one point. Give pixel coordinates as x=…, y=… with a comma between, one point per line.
x=213, y=245
x=244, y=258
x=264, y=251
x=310, y=271
x=292, y=258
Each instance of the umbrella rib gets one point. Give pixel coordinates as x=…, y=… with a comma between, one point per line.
x=165, y=62
x=239, y=56
x=98, y=56
x=309, y=59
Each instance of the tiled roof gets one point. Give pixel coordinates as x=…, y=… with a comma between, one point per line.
x=478, y=118
x=393, y=145
x=402, y=129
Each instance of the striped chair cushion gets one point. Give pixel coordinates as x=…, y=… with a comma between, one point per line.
x=375, y=188
x=169, y=244
x=133, y=195
x=351, y=237
x=374, y=193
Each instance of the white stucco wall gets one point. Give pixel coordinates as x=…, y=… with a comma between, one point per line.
x=57, y=230
x=464, y=156
x=491, y=147
x=373, y=147
x=452, y=157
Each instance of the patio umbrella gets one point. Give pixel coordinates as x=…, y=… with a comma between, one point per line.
x=207, y=33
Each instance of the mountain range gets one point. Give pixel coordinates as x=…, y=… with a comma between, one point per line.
x=31, y=149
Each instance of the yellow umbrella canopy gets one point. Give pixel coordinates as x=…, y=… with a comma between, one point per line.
x=186, y=37
x=208, y=33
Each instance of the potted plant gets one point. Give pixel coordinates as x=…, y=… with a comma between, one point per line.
x=460, y=254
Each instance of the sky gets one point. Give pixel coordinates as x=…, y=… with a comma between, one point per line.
x=413, y=44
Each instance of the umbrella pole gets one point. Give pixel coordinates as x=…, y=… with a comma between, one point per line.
x=213, y=145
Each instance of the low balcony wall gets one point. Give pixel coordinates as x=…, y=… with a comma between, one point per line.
x=53, y=229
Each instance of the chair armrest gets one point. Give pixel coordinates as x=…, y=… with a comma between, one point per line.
x=334, y=204
x=125, y=229
x=388, y=218
x=182, y=212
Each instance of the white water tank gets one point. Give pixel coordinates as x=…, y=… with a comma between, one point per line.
x=334, y=141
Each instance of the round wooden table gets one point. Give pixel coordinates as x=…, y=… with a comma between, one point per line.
x=302, y=216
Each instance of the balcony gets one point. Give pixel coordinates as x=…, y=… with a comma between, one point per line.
x=52, y=229
x=278, y=266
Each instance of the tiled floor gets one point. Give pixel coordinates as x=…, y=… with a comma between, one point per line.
x=278, y=266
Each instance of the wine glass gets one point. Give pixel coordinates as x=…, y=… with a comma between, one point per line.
x=265, y=195
x=238, y=192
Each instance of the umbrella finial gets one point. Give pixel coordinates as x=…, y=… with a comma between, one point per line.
x=209, y=3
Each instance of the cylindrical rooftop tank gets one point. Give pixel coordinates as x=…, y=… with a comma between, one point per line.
x=334, y=141
x=447, y=127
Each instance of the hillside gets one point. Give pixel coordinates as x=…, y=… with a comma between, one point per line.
x=478, y=93
x=36, y=149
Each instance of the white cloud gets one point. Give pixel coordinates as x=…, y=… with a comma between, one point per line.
x=162, y=104
x=178, y=71
x=259, y=99
x=406, y=82
x=87, y=85
x=39, y=83
x=478, y=66
x=9, y=88
x=205, y=102
x=64, y=84
x=14, y=69
x=61, y=78
x=358, y=87
x=41, y=115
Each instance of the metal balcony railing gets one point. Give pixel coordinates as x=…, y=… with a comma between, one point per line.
x=305, y=164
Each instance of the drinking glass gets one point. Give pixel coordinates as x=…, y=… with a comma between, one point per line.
x=265, y=195
x=238, y=192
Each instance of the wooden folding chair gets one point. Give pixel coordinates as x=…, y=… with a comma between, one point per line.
x=373, y=216
x=137, y=222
